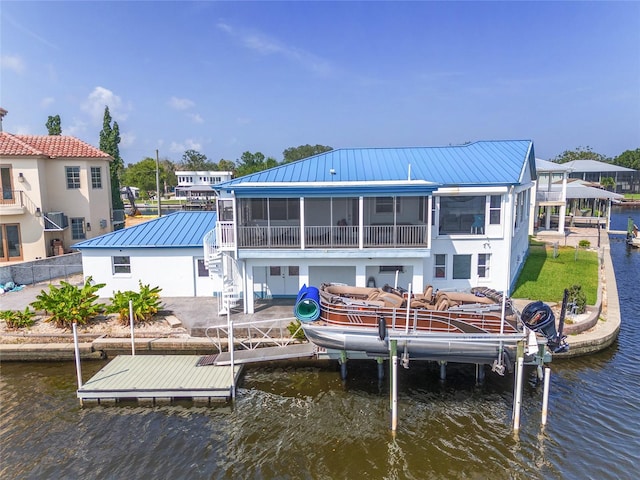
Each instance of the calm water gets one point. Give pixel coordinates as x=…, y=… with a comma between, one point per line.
x=296, y=423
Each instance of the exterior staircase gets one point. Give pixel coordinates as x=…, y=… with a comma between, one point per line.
x=222, y=264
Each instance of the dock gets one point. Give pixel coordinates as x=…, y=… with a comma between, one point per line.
x=160, y=377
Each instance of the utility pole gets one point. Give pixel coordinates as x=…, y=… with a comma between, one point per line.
x=158, y=183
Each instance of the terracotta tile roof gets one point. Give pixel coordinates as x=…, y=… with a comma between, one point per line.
x=52, y=146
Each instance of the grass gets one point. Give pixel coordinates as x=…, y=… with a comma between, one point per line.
x=632, y=196
x=545, y=278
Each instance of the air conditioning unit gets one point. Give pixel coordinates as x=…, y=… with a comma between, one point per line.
x=55, y=221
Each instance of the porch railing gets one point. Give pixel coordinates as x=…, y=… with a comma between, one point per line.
x=330, y=236
x=12, y=198
x=549, y=196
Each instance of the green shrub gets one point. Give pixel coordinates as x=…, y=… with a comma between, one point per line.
x=17, y=319
x=295, y=330
x=146, y=303
x=68, y=304
x=584, y=243
x=578, y=298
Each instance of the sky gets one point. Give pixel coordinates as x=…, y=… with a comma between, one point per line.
x=224, y=78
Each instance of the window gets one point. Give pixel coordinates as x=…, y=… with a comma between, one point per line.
x=385, y=204
x=458, y=214
x=494, y=209
x=77, y=228
x=294, y=271
x=440, y=266
x=391, y=269
x=203, y=271
x=5, y=179
x=96, y=177
x=462, y=267
x=121, y=264
x=275, y=271
x=10, y=245
x=73, y=177
x=483, y=265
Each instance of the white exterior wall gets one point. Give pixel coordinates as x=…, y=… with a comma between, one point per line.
x=174, y=270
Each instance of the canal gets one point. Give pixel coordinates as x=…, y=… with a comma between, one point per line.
x=305, y=422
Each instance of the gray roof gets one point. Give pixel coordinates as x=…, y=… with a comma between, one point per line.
x=547, y=166
x=595, y=166
x=578, y=190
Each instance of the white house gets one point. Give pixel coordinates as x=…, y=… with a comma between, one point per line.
x=199, y=184
x=56, y=190
x=562, y=201
x=451, y=217
x=165, y=252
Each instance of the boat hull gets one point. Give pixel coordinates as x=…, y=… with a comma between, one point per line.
x=480, y=348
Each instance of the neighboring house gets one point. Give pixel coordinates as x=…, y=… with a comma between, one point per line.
x=56, y=190
x=165, y=252
x=550, y=196
x=199, y=184
x=561, y=201
x=627, y=180
x=452, y=217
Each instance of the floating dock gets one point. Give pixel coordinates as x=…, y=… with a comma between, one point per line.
x=160, y=377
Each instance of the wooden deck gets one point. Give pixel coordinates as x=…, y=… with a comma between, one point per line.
x=165, y=377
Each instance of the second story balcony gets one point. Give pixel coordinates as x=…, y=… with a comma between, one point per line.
x=324, y=236
x=549, y=197
x=12, y=202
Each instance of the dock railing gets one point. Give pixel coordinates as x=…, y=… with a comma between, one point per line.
x=254, y=334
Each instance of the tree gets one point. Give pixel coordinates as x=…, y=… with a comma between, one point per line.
x=169, y=180
x=303, y=151
x=143, y=175
x=608, y=183
x=53, y=125
x=580, y=153
x=628, y=159
x=226, y=166
x=192, y=160
x=254, y=162
x=109, y=141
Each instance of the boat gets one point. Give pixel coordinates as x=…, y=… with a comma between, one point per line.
x=633, y=239
x=478, y=326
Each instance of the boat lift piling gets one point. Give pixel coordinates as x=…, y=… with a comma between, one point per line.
x=545, y=395
x=133, y=340
x=393, y=345
x=517, y=398
x=77, y=355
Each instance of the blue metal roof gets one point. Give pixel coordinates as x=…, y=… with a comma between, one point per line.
x=475, y=164
x=180, y=229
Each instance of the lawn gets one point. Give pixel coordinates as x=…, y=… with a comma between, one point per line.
x=545, y=278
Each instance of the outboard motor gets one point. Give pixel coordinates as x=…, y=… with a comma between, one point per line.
x=538, y=317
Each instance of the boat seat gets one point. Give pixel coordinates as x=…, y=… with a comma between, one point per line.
x=391, y=299
x=426, y=296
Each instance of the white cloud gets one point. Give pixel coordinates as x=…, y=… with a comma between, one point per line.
x=76, y=128
x=188, y=144
x=127, y=139
x=47, y=101
x=12, y=62
x=266, y=45
x=100, y=98
x=196, y=117
x=180, y=103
